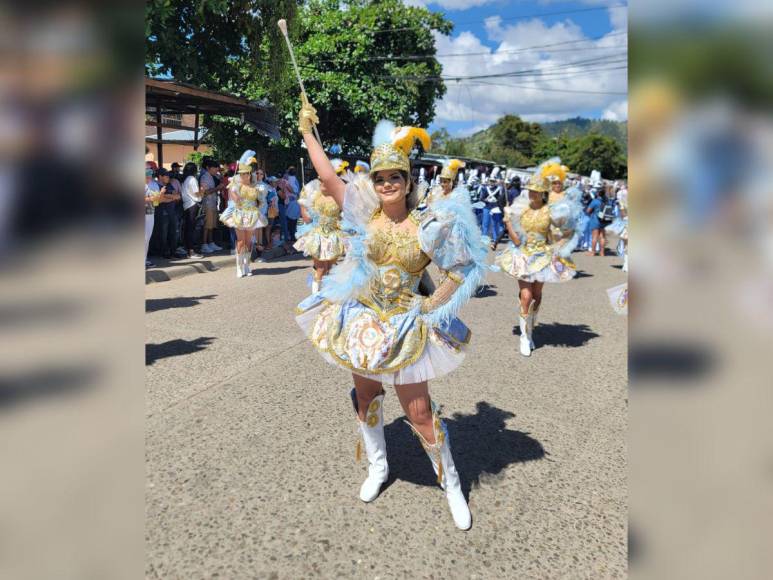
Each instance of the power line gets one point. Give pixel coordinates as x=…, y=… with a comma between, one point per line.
x=508, y=19
x=548, y=89
x=495, y=52
x=597, y=60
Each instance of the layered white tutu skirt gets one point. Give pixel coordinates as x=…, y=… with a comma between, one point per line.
x=400, y=350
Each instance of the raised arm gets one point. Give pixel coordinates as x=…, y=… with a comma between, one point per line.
x=514, y=237
x=334, y=185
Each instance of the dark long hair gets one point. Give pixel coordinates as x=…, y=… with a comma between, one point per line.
x=190, y=169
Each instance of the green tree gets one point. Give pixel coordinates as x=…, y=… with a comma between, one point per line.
x=599, y=152
x=349, y=54
x=351, y=60
x=548, y=147
x=440, y=140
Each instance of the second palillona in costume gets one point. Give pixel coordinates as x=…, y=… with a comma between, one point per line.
x=321, y=237
x=543, y=225
x=243, y=211
x=369, y=317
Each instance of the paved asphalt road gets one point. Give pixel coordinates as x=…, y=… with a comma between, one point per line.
x=251, y=439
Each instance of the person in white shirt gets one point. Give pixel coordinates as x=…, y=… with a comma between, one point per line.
x=191, y=204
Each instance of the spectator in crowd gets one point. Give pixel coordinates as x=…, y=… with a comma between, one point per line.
x=153, y=194
x=292, y=212
x=262, y=233
x=175, y=183
x=210, y=186
x=293, y=181
x=282, y=189
x=191, y=199
x=176, y=172
x=513, y=189
x=587, y=233
x=476, y=189
x=272, y=212
x=493, y=196
x=229, y=175
x=601, y=213
x=166, y=214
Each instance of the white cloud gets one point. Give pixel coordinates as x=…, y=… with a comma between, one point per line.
x=618, y=17
x=537, y=92
x=616, y=111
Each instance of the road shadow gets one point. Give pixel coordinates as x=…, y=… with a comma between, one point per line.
x=485, y=291
x=159, y=273
x=26, y=313
x=176, y=347
x=557, y=334
x=276, y=270
x=618, y=266
x=482, y=447
x=582, y=274
x=280, y=256
x=45, y=383
x=156, y=304
x=669, y=360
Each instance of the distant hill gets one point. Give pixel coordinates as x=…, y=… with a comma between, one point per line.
x=579, y=126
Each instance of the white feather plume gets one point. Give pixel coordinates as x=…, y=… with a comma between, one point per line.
x=383, y=132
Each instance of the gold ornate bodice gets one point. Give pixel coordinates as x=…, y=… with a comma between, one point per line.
x=400, y=262
x=248, y=197
x=248, y=193
x=536, y=224
x=399, y=247
x=327, y=209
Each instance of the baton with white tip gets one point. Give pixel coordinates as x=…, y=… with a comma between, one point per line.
x=282, y=24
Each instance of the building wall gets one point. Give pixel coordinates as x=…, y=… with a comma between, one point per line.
x=185, y=121
x=174, y=152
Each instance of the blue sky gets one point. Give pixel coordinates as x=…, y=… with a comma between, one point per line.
x=583, y=71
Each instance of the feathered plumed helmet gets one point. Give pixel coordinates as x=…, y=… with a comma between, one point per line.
x=450, y=168
x=245, y=160
x=361, y=166
x=392, y=145
x=538, y=183
x=339, y=165
x=552, y=170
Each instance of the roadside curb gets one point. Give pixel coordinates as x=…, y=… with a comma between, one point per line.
x=167, y=270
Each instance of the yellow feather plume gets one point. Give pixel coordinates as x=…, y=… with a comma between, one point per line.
x=555, y=170
x=404, y=138
x=455, y=164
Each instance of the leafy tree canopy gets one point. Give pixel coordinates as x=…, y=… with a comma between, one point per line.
x=349, y=55
x=517, y=143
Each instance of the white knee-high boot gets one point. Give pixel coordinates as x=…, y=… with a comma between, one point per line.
x=439, y=454
x=246, y=264
x=372, y=432
x=239, y=266
x=533, y=311
x=524, y=321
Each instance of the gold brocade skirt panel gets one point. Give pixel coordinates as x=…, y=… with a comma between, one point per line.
x=392, y=346
x=322, y=242
x=535, y=263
